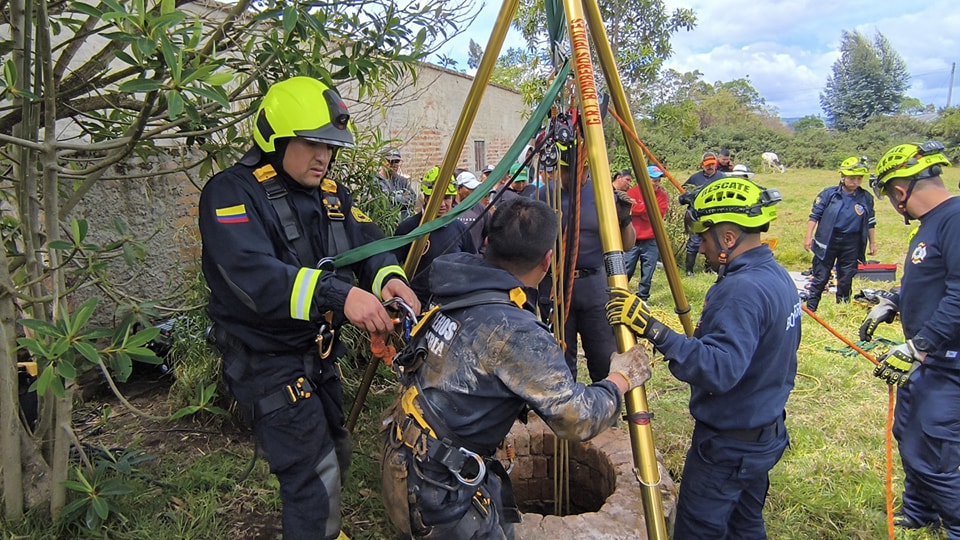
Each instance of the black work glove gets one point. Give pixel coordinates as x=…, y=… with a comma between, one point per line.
x=883, y=312
x=898, y=364
x=627, y=308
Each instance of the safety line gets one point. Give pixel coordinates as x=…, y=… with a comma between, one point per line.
x=888, y=439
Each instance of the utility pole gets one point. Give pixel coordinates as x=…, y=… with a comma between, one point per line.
x=953, y=69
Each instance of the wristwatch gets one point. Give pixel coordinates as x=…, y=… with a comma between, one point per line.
x=922, y=344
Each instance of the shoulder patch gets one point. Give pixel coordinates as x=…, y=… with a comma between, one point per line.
x=359, y=215
x=232, y=214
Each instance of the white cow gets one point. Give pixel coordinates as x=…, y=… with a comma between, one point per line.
x=772, y=161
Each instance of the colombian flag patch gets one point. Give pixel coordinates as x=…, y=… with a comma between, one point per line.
x=232, y=214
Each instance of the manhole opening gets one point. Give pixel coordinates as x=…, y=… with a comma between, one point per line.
x=592, y=476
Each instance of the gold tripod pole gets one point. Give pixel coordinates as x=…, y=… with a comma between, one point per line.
x=641, y=434
x=608, y=66
x=467, y=115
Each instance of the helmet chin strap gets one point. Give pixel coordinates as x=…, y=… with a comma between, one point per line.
x=902, y=205
x=724, y=252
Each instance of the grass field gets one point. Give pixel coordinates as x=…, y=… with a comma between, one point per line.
x=829, y=485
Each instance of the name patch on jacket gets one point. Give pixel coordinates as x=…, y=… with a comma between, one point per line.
x=441, y=332
x=232, y=214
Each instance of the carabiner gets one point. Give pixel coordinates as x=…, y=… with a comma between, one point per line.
x=481, y=472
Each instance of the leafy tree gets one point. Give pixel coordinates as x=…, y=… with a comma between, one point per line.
x=868, y=79
x=87, y=86
x=809, y=122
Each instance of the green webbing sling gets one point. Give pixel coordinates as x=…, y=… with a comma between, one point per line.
x=529, y=130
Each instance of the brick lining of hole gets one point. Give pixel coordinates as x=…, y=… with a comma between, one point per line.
x=605, y=496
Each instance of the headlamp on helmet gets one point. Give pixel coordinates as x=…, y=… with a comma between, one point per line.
x=430, y=179
x=740, y=202
x=911, y=162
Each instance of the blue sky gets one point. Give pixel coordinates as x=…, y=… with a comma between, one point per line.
x=788, y=47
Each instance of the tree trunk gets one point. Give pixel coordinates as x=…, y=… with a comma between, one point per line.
x=9, y=400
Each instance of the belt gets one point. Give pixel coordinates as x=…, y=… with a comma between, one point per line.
x=759, y=434
x=584, y=272
x=285, y=397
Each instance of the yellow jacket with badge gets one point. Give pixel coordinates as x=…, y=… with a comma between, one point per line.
x=260, y=289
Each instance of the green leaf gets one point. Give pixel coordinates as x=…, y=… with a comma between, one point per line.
x=122, y=366
x=140, y=85
x=101, y=507
x=79, y=228
x=86, y=9
x=168, y=6
x=213, y=95
x=290, y=16
x=41, y=327
x=88, y=351
x=171, y=59
x=168, y=20
x=82, y=315
x=146, y=46
x=60, y=244
x=218, y=79
x=142, y=337
x=10, y=72
x=66, y=370
x=174, y=105
x=145, y=355
x=44, y=380
x=185, y=411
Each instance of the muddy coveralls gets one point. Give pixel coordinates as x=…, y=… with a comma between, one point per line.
x=482, y=364
x=268, y=303
x=927, y=416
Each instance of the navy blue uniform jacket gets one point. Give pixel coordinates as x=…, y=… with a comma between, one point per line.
x=260, y=292
x=742, y=359
x=825, y=209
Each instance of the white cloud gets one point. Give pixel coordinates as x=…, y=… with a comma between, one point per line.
x=787, y=48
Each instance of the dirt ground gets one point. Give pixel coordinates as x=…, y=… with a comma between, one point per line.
x=179, y=442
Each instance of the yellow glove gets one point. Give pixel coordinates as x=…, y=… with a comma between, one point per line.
x=627, y=308
x=898, y=364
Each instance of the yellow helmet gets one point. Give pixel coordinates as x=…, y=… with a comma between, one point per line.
x=430, y=179
x=854, y=166
x=910, y=161
x=302, y=107
x=732, y=200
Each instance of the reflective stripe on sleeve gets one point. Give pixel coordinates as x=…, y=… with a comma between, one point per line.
x=301, y=297
x=383, y=274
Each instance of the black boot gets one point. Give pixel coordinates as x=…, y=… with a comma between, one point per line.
x=689, y=263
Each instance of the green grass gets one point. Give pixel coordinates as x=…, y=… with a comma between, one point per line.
x=829, y=485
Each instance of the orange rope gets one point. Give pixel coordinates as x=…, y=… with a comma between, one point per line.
x=888, y=439
x=646, y=150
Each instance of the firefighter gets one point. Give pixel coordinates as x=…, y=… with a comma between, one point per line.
x=269, y=226
x=926, y=368
x=740, y=362
x=844, y=221
x=471, y=368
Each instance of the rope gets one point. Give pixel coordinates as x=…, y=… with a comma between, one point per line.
x=888, y=439
x=646, y=150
